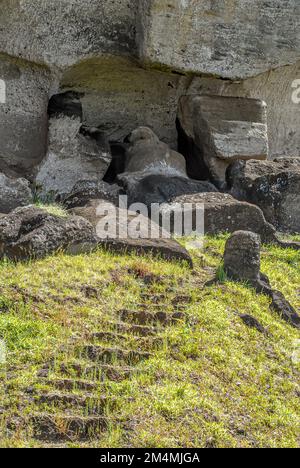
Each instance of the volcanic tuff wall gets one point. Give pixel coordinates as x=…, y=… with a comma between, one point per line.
x=134, y=59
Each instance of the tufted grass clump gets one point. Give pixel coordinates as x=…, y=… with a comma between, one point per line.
x=55, y=209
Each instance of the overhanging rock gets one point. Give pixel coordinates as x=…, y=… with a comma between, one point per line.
x=61, y=33
x=215, y=37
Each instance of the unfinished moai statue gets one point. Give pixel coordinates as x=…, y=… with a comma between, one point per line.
x=154, y=173
x=242, y=263
x=147, y=155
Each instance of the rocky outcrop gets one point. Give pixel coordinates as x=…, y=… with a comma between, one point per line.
x=94, y=49
x=223, y=130
x=223, y=213
x=112, y=67
x=62, y=33
x=242, y=263
x=221, y=37
x=75, y=153
x=30, y=232
x=215, y=38
x=120, y=96
x=272, y=185
x=123, y=231
x=14, y=193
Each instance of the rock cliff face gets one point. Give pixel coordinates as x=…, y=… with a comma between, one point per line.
x=228, y=38
x=59, y=34
x=133, y=60
x=23, y=114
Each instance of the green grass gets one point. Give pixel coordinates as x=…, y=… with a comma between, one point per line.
x=53, y=208
x=213, y=383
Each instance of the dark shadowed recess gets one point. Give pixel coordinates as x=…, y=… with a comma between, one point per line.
x=69, y=104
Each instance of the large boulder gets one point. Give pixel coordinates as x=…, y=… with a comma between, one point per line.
x=242, y=263
x=223, y=38
x=272, y=185
x=223, y=213
x=30, y=232
x=223, y=130
x=14, y=193
x=75, y=153
x=123, y=231
x=160, y=188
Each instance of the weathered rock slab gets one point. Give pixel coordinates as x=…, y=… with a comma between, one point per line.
x=87, y=190
x=224, y=129
x=31, y=232
x=224, y=38
x=61, y=33
x=23, y=115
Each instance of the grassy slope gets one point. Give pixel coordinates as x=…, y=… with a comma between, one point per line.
x=214, y=382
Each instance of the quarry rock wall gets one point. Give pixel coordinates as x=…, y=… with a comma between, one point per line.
x=235, y=39
x=133, y=60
